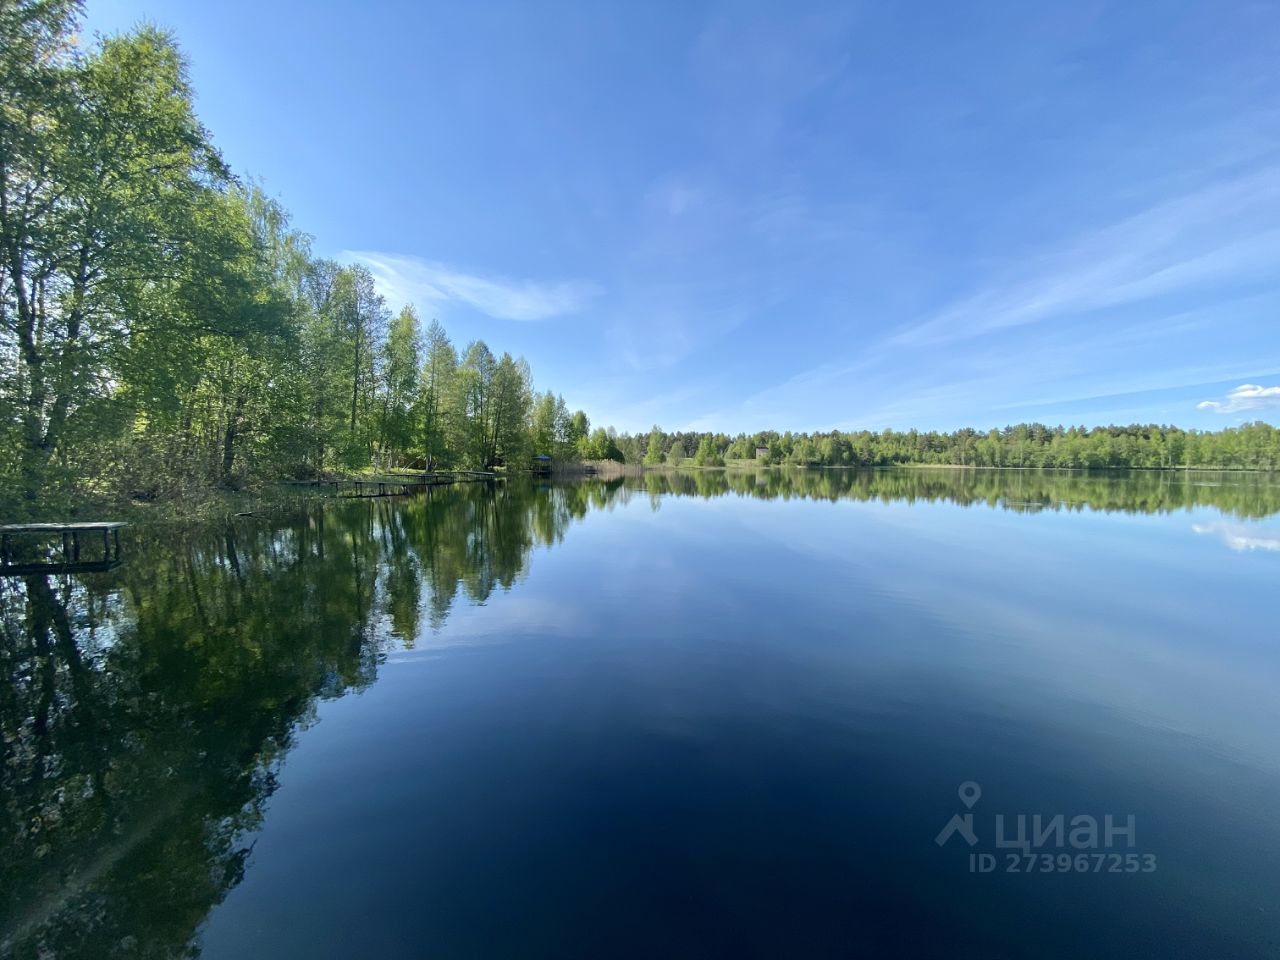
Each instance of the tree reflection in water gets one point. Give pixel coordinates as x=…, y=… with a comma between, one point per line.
x=147, y=710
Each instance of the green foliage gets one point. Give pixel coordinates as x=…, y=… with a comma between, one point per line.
x=601, y=445
x=707, y=454
x=401, y=365
x=654, y=446
x=112, y=203
x=551, y=428
x=164, y=331
x=577, y=429
x=1254, y=446
x=437, y=429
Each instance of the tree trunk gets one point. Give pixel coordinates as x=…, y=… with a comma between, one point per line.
x=229, y=439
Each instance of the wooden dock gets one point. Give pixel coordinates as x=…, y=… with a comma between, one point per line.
x=70, y=534
x=375, y=488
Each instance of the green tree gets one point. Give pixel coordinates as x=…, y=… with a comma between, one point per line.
x=510, y=413
x=105, y=194
x=602, y=445
x=401, y=360
x=653, y=449
x=473, y=388
x=577, y=429
x=707, y=455
x=436, y=416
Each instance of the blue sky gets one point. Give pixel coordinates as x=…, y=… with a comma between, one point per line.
x=805, y=216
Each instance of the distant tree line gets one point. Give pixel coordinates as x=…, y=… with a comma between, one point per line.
x=1254, y=446
x=163, y=328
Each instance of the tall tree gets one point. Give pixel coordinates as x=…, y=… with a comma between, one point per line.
x=512, y=399
x=436, y=416
x=401, y=359
x=473, y=389
x=105, y=188
x=577, y=429
x=653, y=452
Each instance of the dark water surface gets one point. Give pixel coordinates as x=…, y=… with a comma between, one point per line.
x=711, y=715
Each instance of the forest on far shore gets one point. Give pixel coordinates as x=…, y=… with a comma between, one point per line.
x=1253, y=446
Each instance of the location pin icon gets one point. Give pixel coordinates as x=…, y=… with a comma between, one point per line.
x=969, y=793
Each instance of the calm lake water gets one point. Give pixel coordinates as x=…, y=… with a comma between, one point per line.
x=703, y=715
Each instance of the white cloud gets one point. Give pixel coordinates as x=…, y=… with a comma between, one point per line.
x=1241, y=537
x=1247, y=396
x=406, y=279
x=1221, y=232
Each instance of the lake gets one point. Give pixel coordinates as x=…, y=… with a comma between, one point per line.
x=916, y=713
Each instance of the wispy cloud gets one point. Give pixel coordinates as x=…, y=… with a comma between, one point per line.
x=407, y=279
x=675, y=196
x=1247, y=396
x=624, y=411
x=758, y=68
x=1241, y=537
x=1217, y=233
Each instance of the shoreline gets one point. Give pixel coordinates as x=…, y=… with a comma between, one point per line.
x=214, y=504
